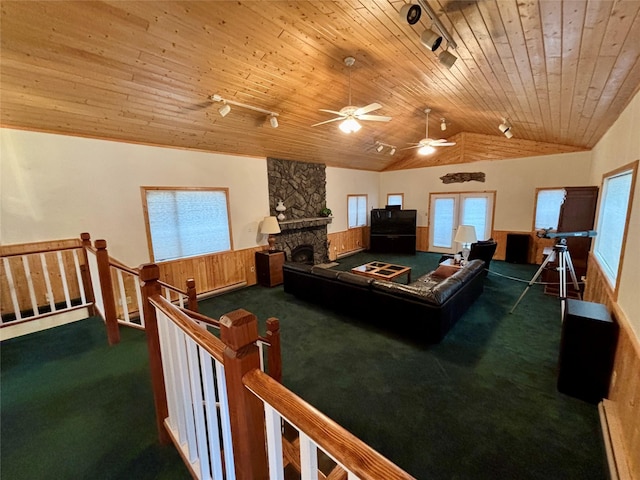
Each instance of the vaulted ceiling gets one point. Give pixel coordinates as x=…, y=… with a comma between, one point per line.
x=560, y=71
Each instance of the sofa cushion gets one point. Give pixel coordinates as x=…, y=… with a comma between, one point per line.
x=414, y=291
x=355, y=279
x=445, y=271
x=298, y=267
x=325, y=272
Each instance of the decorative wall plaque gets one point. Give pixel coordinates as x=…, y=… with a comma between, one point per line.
x=462, y=177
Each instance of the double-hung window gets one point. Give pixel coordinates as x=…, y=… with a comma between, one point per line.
x=357, y=210
x=548, y=204
x=395, y=199
x=613, y=218
x=186, y=222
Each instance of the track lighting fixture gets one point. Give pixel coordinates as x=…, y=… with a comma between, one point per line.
x=505, y=127
x=431, y=40
x=447, y=58
x=381, y=146
x=226, y=108
x=411, y=13
x=443, y=124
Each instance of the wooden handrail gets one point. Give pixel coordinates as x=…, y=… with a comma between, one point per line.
x=121, y=266
x=348, y=450
x=201, y=318
x=202, y=337
x=39, y=247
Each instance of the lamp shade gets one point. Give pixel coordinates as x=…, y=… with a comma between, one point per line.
x=270, y=226
x=466, y=234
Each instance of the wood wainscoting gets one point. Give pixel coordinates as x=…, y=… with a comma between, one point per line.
x=624, y=389
x=213, y=272
x=347, y=241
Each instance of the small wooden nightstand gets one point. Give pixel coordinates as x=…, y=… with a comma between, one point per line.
x=269, y=267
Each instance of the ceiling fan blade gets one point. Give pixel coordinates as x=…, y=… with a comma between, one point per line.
x=375, y=118
x=442, y=141
x=409, y=148
x=446, y=144
x=369, y=108
x=332, y=111
x=327, y=121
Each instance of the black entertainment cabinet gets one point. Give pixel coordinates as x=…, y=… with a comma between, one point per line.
x=392, y=231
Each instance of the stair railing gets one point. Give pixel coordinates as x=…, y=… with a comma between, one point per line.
x=224, y=414
x=43, y=279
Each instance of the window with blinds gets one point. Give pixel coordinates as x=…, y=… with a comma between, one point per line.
x=548, y=204
x=395, y=199
x=357, y=210
x=186, y=222
x=612, y=221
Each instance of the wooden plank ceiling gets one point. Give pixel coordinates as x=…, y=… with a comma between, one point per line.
x=143, y=71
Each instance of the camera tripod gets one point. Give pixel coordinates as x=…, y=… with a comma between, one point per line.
x=564, y=262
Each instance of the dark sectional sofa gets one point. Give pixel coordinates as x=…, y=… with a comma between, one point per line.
x=424, y=310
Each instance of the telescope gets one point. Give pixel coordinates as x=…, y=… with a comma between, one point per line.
x=549, y=234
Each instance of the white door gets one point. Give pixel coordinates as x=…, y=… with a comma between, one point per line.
x=448, y=210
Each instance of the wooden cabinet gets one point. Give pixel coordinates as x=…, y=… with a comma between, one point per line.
x=577, y=214
x=269, y=267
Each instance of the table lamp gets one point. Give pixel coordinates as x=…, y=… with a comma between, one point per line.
x=466, y=235
x=270, y=227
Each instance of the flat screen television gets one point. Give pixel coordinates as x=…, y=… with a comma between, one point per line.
x=391, y=221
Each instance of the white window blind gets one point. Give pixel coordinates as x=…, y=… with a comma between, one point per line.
x=444, y=213
x=186, y=223
x=474, y=212
x=611, y=223
x=357, y=210
x=548, y=206
x=394, y=199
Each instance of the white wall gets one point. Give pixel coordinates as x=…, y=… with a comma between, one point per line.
x=618, y=147
x=514, y=181
x=56, y=187
x=342, y=182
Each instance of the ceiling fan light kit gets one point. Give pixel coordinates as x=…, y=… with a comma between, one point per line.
x=351, y=114
x=427, y=145
x=226, y=108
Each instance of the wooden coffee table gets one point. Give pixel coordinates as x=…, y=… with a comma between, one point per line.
x=382, y=270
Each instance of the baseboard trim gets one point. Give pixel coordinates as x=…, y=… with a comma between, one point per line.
x=613, y=444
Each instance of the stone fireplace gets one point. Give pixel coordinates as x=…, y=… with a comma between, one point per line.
x=302, y=188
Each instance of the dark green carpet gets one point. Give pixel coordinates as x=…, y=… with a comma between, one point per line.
x=482, y=404
x=75, y=408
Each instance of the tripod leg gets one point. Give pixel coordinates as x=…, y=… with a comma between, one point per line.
x=562, y=271
x=572, y=271
x=549, y=258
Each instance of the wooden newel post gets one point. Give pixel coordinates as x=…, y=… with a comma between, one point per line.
x=239, y=332
x=192, y=303
x=149, y=275
x=86, y=273
x=274, y=356
x=106, y=287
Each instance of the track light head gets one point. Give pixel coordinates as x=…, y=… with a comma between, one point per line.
x=379, y=148
x=410, y=13
x=443, y=124
x=505, y=127
x=224, y=110
x=447, y=58
x=273, y=120
x=392, y=152
x=431, y=39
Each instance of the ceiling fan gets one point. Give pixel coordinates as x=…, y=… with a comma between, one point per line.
x=428, y=145
x=351, y=114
